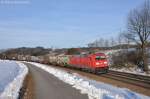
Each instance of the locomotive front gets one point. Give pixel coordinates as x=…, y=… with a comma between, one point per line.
x=100, y=63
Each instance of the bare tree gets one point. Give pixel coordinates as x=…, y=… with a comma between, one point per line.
x=120, y=36
x=139, y=28
x=112, y=42
x=126, y=39
x=96, y=43
x=106, y=43
x=101, y=42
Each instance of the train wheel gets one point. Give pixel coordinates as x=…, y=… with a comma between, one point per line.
x=94, y=71
x=106, y=71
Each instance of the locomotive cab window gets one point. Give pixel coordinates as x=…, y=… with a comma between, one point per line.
x=100, y=58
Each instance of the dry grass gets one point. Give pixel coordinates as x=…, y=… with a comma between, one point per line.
x=27, y=91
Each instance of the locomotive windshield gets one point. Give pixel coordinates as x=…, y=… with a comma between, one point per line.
x=100, y=57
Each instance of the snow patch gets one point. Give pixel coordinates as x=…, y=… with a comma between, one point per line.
x=94, y=89
x=12, y=88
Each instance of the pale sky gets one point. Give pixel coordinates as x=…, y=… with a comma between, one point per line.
x=61, y=23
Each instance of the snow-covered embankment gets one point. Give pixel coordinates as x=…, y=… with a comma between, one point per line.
x=12, y=75
x=94, y=90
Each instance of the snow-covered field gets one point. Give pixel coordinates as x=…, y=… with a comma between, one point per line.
x=95, y=90
x=12, y=75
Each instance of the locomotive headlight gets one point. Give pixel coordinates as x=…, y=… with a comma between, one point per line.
x=105, y=62
x=97, y=63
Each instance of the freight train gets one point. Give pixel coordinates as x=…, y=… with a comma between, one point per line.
x=96, y=63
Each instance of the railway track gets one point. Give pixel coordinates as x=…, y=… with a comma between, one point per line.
x=133, y=79
x=138, y=80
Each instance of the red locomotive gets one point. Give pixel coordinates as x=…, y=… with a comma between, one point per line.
x=96, y=63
